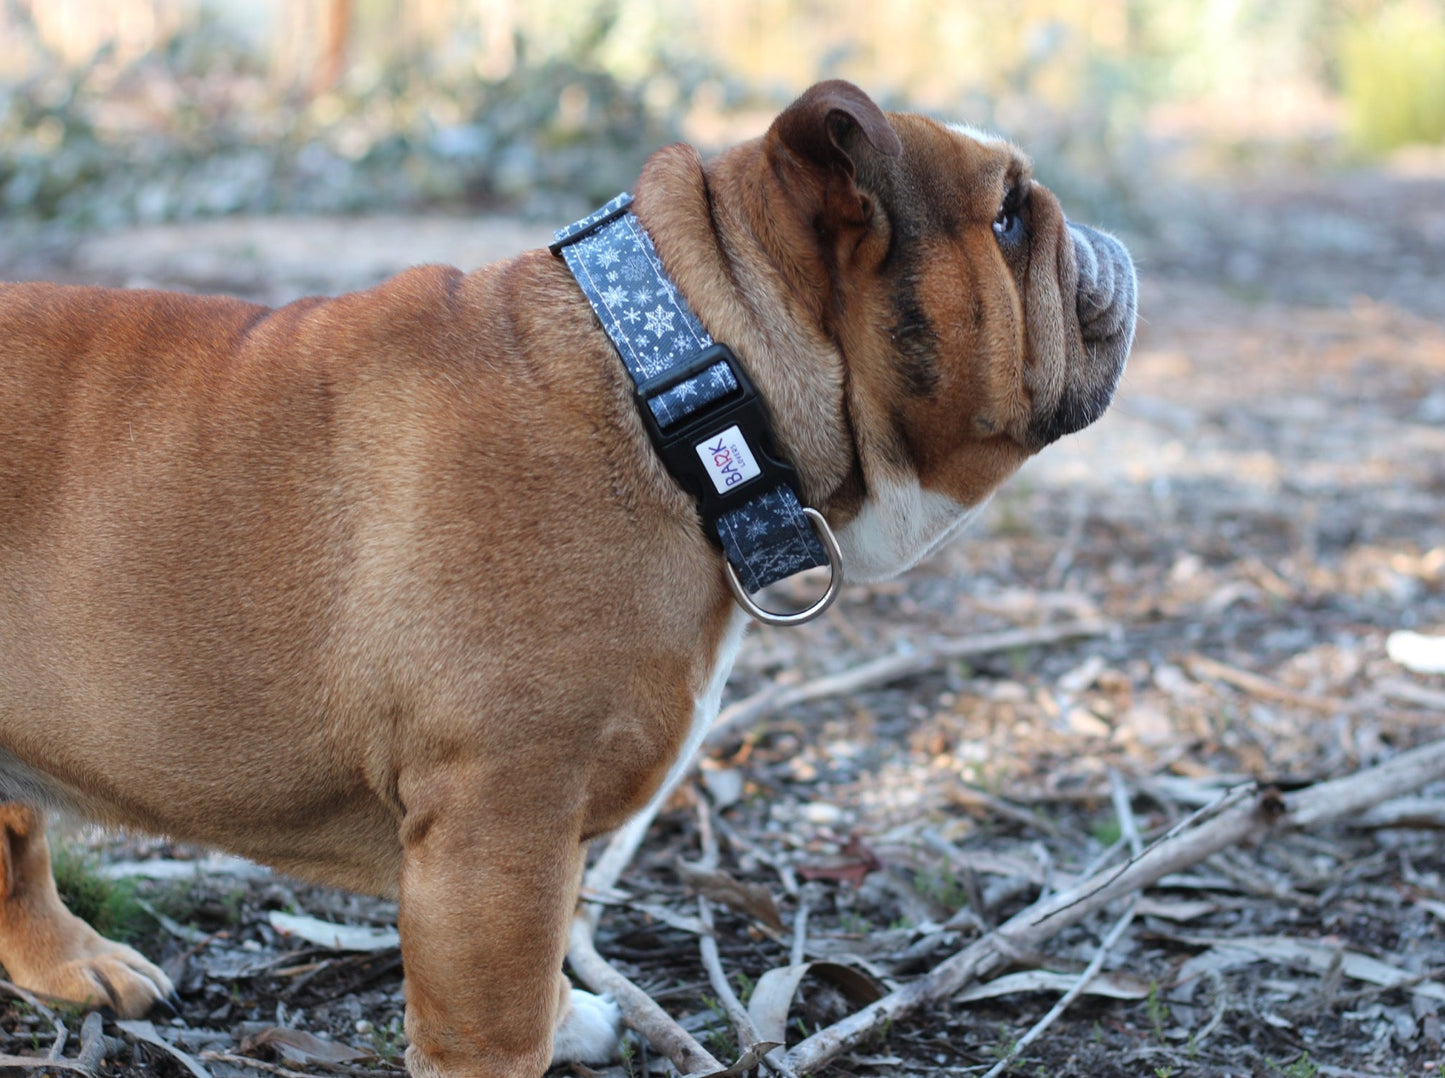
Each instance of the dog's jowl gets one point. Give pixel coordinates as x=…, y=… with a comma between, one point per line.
x=287, y=581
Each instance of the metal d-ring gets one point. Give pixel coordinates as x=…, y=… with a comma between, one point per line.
x=835, y=581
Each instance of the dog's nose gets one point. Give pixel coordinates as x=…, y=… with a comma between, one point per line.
x=1107, y=297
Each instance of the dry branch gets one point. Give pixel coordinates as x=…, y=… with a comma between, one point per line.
x=743, y=1028
x=640, y=1010
x=1202, y=666
x=61, y=1033
x=31, y=1063
x=1244, y=815
x=900, y=665
x=92, y=1043
x=1083, y=981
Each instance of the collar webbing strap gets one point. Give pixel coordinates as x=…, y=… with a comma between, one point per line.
x=702, y=413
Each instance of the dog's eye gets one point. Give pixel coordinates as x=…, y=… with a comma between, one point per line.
x=1008, y=225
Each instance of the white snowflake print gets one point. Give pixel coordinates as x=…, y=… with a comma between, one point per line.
x=659, y=321
x=607, y=257
x=615, y=297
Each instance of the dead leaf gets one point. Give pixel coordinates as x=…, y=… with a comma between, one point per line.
x=772, y=996
x=725, y=785
x=298, y=1046
x=751, y=899
x=1109, y=985
x=1314, y=955
x=863, y=863
x=750, y=1061
x=1174, y=909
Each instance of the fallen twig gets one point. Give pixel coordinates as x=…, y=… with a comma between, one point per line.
x=1202, y=666
x=747, y=1033
x=900, y=665
x=92, y=1043
x=1410, y=693
x=1221, y=1004
x=31, y=1063
x=1067, y=999
x=1262, y=688
x=1240, y=821
x=1416, y=812
x=25, y=996
x=254, y=1064
x=640, y=1010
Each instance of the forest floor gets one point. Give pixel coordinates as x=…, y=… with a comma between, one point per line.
x=1261, y=509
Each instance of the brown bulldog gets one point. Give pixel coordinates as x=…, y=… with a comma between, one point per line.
x=393, y=591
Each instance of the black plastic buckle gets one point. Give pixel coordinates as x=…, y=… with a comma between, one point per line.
x=719, y=466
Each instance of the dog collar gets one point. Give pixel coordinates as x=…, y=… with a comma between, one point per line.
x=705, y=419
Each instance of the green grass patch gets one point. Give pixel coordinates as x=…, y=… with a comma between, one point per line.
x=110, y=906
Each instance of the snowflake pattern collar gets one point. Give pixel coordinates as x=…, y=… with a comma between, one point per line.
x=703, y=414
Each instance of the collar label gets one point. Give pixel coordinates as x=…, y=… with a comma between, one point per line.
x=728, y=459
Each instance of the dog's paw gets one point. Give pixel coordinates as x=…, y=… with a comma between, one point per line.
x=113, y=976
x=589, y=1032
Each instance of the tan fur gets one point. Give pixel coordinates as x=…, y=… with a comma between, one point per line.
x=391, y=591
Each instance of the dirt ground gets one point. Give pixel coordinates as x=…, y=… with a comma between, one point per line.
x=1263, y=506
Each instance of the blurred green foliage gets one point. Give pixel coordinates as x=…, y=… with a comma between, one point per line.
x=108, y=905
x=195, y=129
x=1392, y=69
x=556, y=109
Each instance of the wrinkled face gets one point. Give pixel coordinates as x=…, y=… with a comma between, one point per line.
x=979, y=326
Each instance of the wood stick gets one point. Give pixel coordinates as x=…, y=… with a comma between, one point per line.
x=889, y=668
x=742, y=1023
x=41, y=1063
x=217, y=1056
x=1244, y=815
x=641, y=1011
x=92, y=1043
x=1410, y=693
x=1202, y=666
x=61, y=1033
x=1264, y=689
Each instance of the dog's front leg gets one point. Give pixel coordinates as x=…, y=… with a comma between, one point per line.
x=47, y=949
x=488, y=885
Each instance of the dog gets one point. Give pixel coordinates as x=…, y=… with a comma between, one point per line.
x=396, y=591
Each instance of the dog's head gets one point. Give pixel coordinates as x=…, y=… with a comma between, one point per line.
x=969, y=323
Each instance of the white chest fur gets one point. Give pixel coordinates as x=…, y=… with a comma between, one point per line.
x=899, y=525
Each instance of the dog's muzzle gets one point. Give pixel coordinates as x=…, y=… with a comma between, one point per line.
x=1107, y=304
x=1107, y=295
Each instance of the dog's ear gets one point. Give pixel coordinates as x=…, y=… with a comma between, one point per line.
x=826, y=129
